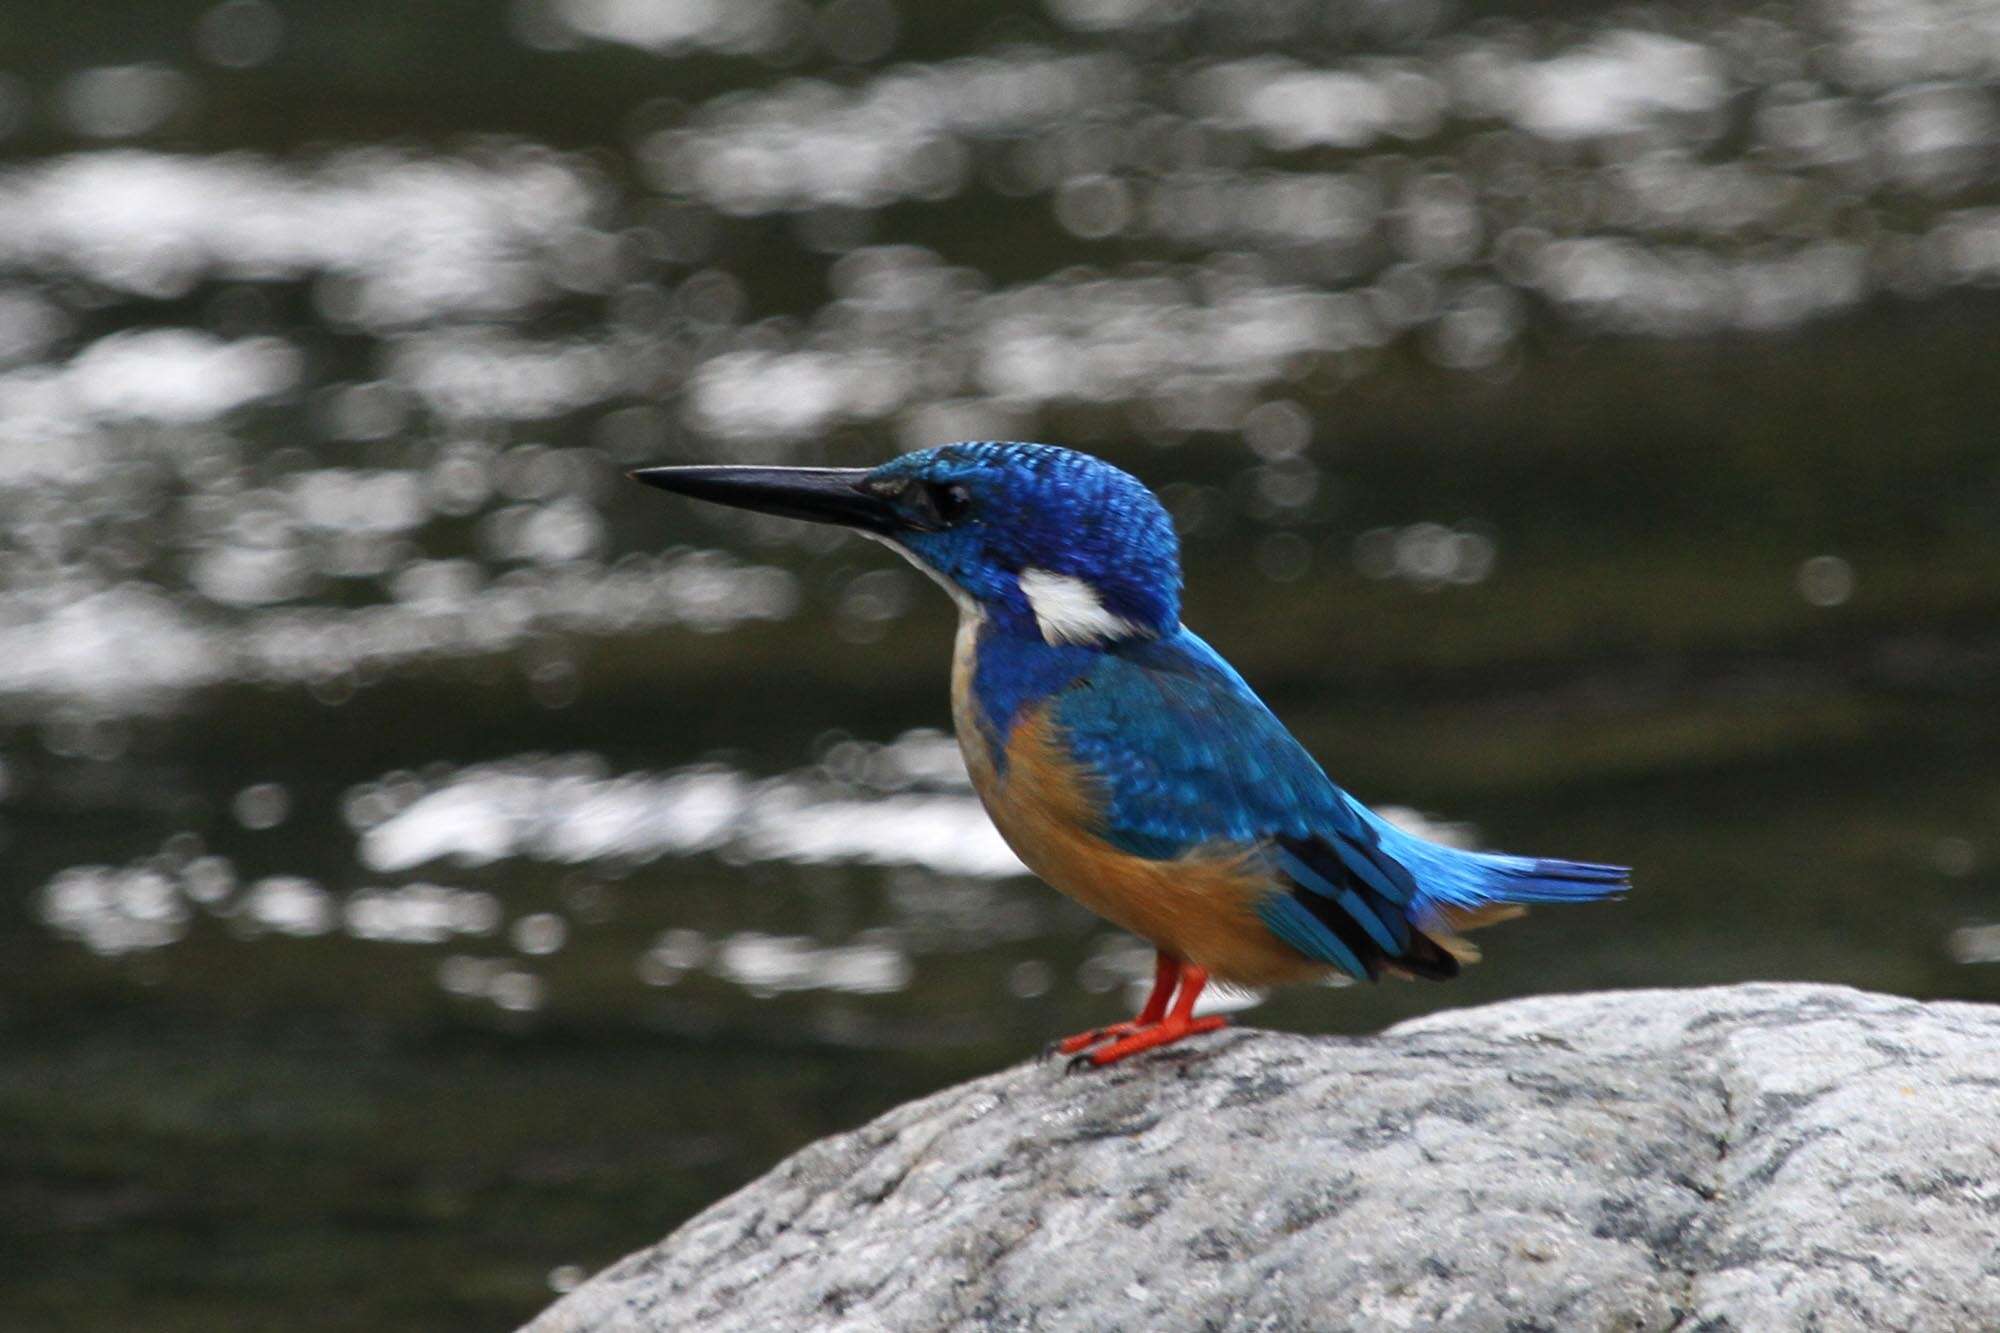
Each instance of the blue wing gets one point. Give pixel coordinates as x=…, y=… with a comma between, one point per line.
x=1189, y=755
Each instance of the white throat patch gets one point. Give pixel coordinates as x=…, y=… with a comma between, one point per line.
x=1068, y=610
x=966, y=606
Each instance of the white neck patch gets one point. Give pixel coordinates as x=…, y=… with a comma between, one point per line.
x=1068, y=610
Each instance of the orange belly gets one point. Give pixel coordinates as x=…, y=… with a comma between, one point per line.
x=1199, y=907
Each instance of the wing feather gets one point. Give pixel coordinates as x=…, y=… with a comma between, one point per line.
x=1187, y=756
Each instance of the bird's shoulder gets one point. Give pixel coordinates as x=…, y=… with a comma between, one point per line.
x=1184, y=757
x=1186, y=753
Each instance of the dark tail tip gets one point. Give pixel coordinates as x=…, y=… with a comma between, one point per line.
x=1428, y=959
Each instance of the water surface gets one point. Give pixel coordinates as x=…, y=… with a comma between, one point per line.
x=435, y=867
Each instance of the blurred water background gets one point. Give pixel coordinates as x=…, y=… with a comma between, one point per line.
x=434, y=867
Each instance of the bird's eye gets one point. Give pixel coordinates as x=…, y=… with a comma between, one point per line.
x=938, y=504
x=949, y=500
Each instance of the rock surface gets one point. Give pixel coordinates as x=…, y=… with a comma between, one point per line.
x=1754, y=1158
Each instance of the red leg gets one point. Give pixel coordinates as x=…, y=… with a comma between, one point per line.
x=1179, y=1022
x=1166, y=972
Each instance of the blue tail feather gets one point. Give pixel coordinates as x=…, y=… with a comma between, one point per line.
x=1520, y=879
x=1448, y=877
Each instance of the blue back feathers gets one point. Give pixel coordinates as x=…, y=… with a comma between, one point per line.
x=1184, y=754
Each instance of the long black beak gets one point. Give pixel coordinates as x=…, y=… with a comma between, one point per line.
x=816, y=494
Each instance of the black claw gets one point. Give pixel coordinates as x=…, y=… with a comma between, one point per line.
x=1078, y=1063
x=1097, y=1036
x=1055, y=1047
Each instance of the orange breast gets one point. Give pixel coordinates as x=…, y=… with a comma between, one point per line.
x=1200, y=907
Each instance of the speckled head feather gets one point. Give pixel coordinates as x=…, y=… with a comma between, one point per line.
x=1047, y=542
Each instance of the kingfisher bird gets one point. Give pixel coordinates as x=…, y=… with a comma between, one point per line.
x=1124, y=761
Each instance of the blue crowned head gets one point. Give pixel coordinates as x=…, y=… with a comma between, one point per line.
x=1043, y=542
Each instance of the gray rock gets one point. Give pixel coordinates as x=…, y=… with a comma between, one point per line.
x=1753, y=1158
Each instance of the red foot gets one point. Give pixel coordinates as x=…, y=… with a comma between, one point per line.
x=1166, y=974
x=1083, y=1041
x=1154, y=1026
x=1160, y=1034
